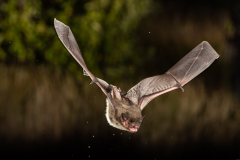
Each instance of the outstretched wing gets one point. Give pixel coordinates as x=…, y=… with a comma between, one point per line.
x=181, y=73
x=66, y=36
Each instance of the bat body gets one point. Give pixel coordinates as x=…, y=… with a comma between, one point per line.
x=124, y=110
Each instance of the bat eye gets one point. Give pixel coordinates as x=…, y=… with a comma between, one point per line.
x=128, y=122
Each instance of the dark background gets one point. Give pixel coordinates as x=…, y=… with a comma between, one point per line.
x=48, y=110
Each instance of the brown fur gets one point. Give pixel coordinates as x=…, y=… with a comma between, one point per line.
x=123, y=105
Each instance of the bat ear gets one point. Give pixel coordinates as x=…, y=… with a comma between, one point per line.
x=116, y=93
x=123, y=117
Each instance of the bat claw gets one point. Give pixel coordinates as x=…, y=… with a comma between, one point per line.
x=180, y=86
x=93, y=81
x=182, y=89
x=85, y=73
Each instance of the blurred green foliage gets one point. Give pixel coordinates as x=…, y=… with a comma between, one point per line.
x=104, y=29
x=19, y=36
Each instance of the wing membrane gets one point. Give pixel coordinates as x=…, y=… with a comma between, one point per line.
x=195, y=62
x=67, y=38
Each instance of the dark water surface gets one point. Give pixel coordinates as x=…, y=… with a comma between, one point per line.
x=47, y=114
x=116, y=147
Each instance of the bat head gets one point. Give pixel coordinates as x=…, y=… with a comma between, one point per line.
x=124, y=114
x=131, y=124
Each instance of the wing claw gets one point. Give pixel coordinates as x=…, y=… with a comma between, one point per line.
x=85, y=73
x=180, y=86
x=93, y=81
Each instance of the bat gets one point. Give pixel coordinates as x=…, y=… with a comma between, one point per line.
x=123, y=110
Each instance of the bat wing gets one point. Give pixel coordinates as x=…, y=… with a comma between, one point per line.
x=66, y=36
x=191, y=65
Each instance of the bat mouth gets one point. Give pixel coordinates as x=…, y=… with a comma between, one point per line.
x=133, y=129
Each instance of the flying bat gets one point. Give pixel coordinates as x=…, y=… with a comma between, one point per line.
x=123, y=110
